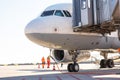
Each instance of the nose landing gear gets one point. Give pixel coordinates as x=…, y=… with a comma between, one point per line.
x=73, y=67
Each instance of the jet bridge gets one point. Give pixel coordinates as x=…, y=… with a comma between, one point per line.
x=96, y=16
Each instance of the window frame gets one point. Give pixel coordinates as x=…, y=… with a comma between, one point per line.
x=59, y=15
x=83, y=6
x=67, y=13
x=44, y=15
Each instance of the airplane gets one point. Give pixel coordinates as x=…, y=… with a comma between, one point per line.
x=53, y=29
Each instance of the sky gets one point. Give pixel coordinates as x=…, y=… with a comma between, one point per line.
x=14, y=16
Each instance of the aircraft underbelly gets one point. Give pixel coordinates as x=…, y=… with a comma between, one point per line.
x=72, y=41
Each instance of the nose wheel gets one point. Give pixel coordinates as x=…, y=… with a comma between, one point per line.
x=73, y=67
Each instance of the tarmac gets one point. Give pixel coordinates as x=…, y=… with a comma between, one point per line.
x=88, y=71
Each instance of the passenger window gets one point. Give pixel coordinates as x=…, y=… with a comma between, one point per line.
x=47, y=13
x=83, y=4
x=67, y=14
x=59, y=13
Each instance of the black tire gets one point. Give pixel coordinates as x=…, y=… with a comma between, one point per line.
x=70, y=67
x=103, y=63
x=75, y=67
x=110, y=63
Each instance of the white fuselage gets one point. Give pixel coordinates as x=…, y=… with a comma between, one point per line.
x=57, y=32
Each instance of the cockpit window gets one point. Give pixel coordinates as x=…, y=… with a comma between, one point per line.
x=47, y=13
x=67, y=14
x=59, y=13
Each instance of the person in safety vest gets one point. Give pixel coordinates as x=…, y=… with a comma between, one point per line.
x=43, y=62
x=48, y=62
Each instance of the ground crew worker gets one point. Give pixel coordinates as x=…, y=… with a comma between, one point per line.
x=43, y=62
x=48, y=62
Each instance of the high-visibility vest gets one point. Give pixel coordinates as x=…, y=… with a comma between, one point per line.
x=43, y=59
x=48, y=58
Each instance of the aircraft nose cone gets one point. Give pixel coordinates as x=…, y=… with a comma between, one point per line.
x=35, y=30
x=33, y=26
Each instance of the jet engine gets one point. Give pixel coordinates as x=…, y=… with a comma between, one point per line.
x=66, y=56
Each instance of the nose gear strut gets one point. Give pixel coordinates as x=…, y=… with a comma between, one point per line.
x=73, y=67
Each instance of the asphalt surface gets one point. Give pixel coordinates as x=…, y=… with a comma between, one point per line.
x=88, y=71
